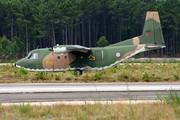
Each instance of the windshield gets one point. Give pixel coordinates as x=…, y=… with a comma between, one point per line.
x=29, y=55
x=34, y=56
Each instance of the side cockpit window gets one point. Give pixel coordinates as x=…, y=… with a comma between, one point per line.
x=34, y=56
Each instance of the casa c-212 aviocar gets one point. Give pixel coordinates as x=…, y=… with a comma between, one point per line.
x=79, y=58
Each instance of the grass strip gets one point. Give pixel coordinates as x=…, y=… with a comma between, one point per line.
x=91, y=111
x=127, y=72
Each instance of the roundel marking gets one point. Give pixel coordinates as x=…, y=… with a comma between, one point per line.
x=117, y=54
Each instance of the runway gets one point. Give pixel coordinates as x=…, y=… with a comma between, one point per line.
x=48, y=92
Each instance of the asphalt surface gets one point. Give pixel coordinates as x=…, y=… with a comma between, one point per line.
x=9, y=92
x=81, y=96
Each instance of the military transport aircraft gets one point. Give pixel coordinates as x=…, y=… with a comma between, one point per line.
x=79, y=58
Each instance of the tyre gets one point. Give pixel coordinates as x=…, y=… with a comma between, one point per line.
x=78, y=72
x=115, y=66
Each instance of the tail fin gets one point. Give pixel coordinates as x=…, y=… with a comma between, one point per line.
x=152, y=33
x=152, y=36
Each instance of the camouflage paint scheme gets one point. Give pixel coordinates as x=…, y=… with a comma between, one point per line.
x=71, y=57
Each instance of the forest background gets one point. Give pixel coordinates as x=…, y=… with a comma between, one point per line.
x=28, y=24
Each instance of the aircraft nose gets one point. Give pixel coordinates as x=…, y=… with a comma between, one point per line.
x=20, y=63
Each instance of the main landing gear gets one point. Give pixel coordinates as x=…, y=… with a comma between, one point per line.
x=78, y=72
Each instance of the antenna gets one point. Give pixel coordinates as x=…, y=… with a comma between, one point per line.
x=52, y=44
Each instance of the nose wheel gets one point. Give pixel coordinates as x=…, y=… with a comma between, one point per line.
x=78, y=72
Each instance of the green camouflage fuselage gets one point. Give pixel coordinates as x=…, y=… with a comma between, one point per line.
x=97, y=58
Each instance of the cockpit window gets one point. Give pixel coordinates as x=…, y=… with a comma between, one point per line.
x=29, y=55
x=34, y=56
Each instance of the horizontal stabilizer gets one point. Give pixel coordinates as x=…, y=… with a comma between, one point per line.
x=155, y=47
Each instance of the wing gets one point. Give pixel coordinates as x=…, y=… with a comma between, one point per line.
x=78, y=48
x=70, y=48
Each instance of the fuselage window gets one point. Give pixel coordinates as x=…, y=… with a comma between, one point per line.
x=29, y=55
x=65, y=57
x=34, y=56
x=58, y=57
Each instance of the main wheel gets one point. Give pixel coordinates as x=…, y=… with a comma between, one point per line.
x=115, y=66
x=78, y=72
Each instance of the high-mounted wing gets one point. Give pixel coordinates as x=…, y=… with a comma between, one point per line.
x=70, y=48
x=78, y=48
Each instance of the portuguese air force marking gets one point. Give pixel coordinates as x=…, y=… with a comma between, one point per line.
x=117, y=54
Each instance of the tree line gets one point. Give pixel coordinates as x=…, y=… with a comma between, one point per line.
x=43, y=23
